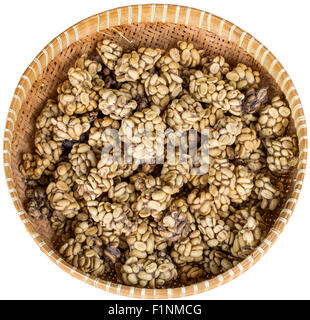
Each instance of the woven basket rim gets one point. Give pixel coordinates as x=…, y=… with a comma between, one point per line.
x=164, y=13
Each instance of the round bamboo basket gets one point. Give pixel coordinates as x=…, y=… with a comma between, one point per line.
x=155, y=25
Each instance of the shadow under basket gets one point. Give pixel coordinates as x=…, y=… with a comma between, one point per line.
x=151, y=26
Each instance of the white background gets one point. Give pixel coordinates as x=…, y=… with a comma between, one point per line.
x=27, y=26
